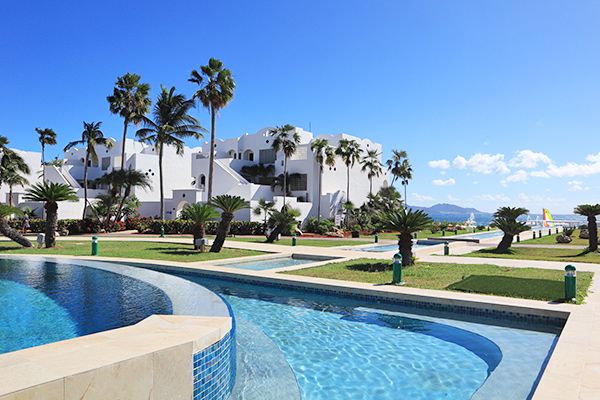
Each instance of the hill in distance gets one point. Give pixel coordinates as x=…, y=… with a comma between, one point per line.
x=445, y=208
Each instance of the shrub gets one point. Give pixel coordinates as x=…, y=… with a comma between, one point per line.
x=568, y=231
x=480, y=227
x=313, y=225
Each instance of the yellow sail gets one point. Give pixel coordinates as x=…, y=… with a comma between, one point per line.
x=547, y=218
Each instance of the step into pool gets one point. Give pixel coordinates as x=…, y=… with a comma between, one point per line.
x=278, y=262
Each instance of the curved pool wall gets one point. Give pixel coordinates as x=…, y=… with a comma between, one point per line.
x=211, y=363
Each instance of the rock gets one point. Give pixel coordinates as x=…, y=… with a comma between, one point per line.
x=337, y=232
x=563, y=239
x=584, y=234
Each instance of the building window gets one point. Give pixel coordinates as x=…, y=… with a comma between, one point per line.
x=105, y=163
x=301, y=153
x=299, y=184
x=267, y=156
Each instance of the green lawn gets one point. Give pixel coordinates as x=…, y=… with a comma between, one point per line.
x=551, y=239
x=566, y=255
x=142, y=250
x=305, y=242
x=526, y=283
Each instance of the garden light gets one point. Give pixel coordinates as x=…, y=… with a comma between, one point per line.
x=446, y=248
x=570, y=283
x=94, y=245
x=376, y=237
x=294, y=239
x=397, y=276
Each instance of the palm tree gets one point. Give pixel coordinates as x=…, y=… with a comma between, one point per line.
x=216, y=91
x=132, y=178
x=264, y=207
x=590, y=211
x=171, y=123
x=51, y=193
x=130, y=100
x=372, y=165
x=12, y=166
x=228, y=205
x=510, y=213
x=350, y=152
x=510, y=227
x=90, y=137
x=9, y=232
x=47, y=137
x=400, y=168
x=285, y=141
x=324, y=155
x=406, y=222
x=281, y=220
x=284, y=181
x=114, y=180
x=199, y=213
x=258, y=172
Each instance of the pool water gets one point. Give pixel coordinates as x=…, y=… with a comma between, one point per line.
x=261, y=265
x=343, y=349
x=45, y=302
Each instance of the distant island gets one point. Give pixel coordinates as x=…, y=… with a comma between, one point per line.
x=445, y=208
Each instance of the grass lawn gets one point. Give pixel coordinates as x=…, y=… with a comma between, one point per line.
x=551, y=239
x=567, y=255
x=526, y=283
x=143, y=250
x=305, y=242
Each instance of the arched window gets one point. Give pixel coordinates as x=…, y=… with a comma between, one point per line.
x=249, y=155
x=201, y=182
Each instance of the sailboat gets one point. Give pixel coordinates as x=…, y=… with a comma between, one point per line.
x=547, y=219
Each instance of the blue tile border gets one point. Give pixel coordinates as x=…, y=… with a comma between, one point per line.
x=511, y=316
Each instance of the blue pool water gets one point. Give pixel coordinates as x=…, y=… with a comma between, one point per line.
x=261, y=265
x=344, y=349
x=44, y=302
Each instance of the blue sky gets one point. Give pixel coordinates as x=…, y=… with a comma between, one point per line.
x=497, y=103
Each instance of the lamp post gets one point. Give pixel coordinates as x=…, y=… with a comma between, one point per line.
x=397, y=275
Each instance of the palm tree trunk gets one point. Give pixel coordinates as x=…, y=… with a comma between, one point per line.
x=593, y=229
x=126, y=194
x=405, y=248
x=222, y=232
x=198, y=231
x=278, y=230
x=405, y=185
x=43, y=165
x=85, y=192
x=10, y=195
x=162, y=193
x=319, y=194
x=51, y=223
x=211, y=155
x=284, y=180
x=505, y=243
x=347, y=182
x=124, y=137
x=13, y=234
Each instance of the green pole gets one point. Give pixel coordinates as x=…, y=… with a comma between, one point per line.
x=294, y=239
x=397, y=276
x=570, y=283
x=376, y=237
x=446, y=248
x=518, y=238
x=94, y=245
x=162, y=231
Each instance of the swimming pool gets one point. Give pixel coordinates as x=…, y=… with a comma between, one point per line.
x=275, y=262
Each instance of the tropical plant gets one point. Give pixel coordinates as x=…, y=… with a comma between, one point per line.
x=228, y=205
x=264, y=207
x=348, y=207
x=130, y=99
x=324, y=155
x=51, y=193
x=285, y=181
x=510, y=213
x=47, y=137
x=199, y=213
x=287, y=142
x=9, y=232
x=350, y=152
x=12, y=166
x=406, y=223
x=216, y=91
x=372, y=165
x=280, y=220
x=114, y=180
x=590, y=211
x=171, y=124
x=91, y=137
x=400, y=168
x=510, y=228
x=131, y=178
x=30, y=211
x=257, y=173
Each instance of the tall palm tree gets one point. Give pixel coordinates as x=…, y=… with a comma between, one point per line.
x=199, y=213
x=47, y=137
x=228, y=205
x=171, y=124
x=510, y=227
x=131, y=178
x=406, y=222
x=114, y=180
x=324, y=155
x=400, y=169
x=590, y=211
x=284, y=181
x=264, y=207
x=9, y=232
x=14, y=179
x=130, y=99
x=51, y=193
x=287, y=142
x=371, y=164
x=281, y=220
x=216, y=91
x=350, y=152
x=91, y=137
x=12, y=165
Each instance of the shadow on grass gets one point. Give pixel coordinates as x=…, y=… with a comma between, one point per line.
x=371, y=267
x=175, y=252
x=536, y=289
x=494, y=251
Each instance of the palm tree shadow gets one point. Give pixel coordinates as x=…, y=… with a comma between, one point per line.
x=494, y=251
x=176, y=252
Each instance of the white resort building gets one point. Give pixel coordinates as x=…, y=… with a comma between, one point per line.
x=186, y=177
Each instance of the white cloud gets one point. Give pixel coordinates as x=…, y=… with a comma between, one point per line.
x=443, y=164
x=539, y=174
x=519, y=176
x=594, y=158
x=575, y=188
x=529, y=159
x=452, y=198
x=539, y=123
x=502, y=197
x=439, y=182
x=575, y=183
x=486, y=197
x=422, y=197
x=574, y=169
x=442, y=172
x=523, y=197
x=459, y=162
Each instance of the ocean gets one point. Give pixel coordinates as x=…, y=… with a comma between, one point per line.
x=486, y=219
